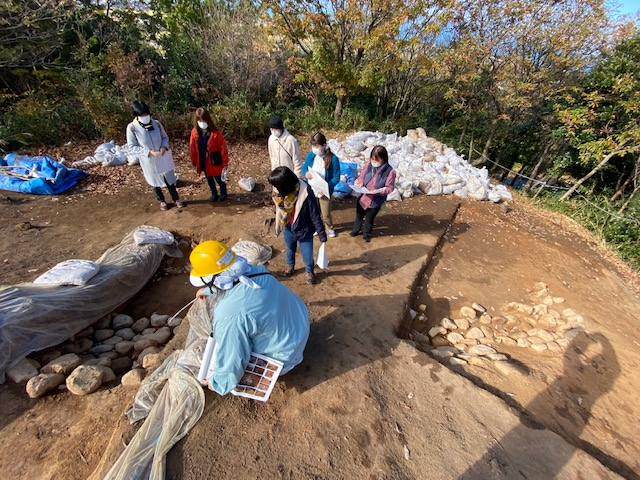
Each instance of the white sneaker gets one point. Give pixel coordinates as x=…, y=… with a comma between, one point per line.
x=331, y=233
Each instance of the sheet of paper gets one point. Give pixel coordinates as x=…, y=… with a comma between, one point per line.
x=164, y=163
x=259, y=378
x=318, y=184
x=358, y=189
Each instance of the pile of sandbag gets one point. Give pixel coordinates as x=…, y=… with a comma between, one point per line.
x=422, y=165
x=109, y=155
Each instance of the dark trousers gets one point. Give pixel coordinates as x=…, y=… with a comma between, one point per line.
x=368, y=216
x=173, y=191
x=211, y=181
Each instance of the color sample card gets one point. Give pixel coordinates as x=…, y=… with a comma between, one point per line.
x=259, y=378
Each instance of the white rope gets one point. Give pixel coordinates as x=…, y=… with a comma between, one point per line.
x=176, y=314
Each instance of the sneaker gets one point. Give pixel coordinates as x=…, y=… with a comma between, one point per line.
x=214, y=198
x=366, y=239
x=163, y=206
x=288, y=271
x=311, y=278
x=331, y=233
x=179, y=204
x=223, y=197
x=353, y=234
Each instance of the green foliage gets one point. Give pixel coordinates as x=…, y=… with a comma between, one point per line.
x=241, y=120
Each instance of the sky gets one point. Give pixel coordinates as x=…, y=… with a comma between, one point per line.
x=629, y=6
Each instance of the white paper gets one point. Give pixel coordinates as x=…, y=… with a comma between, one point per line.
x=164, y=163
x=206, y=360
x=318, y=184
x=358, y=189
x=322, y=261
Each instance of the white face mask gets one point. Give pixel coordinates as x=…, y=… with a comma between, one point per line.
x=203, y=125
x=145, y=119
x=318, y=151
x=276, y=133
x=376, y=164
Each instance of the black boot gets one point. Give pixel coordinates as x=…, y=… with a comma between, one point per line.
x=223, y=192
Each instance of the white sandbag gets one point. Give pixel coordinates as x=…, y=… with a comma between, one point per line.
x=69, y=272
x=146, y=234
x=494, y=196
x=461, y=192
x=247, y=184
x=477, y=189
x=449, y=189
x=435, y=188
x=255, y=253
x=394, y=196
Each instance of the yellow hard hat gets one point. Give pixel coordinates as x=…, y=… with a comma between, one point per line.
x=210, y=258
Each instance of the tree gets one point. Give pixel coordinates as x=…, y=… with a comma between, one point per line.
x=348, y=47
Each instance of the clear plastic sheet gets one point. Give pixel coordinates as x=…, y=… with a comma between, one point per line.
x=34, y=317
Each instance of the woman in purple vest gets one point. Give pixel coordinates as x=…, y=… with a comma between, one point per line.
x=380, y=179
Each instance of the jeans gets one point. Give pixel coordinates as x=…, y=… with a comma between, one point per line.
x=212, y=185
x=306, y=249
x=368, y=215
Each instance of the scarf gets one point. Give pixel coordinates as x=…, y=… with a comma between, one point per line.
x=284, y=207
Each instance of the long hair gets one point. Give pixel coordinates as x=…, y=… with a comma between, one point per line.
x=202, y=114
x=319, y=140
x=380, y=153
x=284, y=180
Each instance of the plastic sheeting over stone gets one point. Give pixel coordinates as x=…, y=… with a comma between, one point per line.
x=422, y=165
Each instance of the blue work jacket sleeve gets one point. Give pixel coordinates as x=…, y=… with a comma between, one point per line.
x=232, y=354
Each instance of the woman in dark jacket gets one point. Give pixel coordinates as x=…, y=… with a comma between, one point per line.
x=298, y=215
x=209, y=153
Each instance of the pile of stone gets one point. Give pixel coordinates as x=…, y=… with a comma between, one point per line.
x=115, y=345
x=472, y=338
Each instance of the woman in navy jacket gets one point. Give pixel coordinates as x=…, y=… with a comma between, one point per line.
x=298, y=215
x=321, y=161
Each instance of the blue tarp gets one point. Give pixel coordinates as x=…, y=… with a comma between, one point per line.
x=53, y=178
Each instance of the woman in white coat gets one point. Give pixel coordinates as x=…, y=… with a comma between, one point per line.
x=147, y=139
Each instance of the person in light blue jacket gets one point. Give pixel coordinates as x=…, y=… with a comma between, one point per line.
x=254, y=313
x=323, y=162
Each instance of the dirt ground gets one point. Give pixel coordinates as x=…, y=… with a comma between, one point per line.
x=367, y=402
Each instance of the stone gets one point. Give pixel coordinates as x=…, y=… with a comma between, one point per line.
x=456, y=361
x=101, y=362
x=485, y=319
x=160, y=336
x=139, y=325
x=462, y=323
x=86, y=333
x=534, y=339
x=540, y=309
x=107, y=374
x=555, y=314
x=121, y=321
x=140, y=345
x=124, y=347
x=517, y=335
x=523, y=342
x=554, y=347
x=133, y=378
x=563, y=342
x=468, y=312
x=543, y=334
x=485, y=341
x=558, y=300
x=152, y=360
x=148, y=331
x=101, y=335
x=568, y=312
x=444, y=352
x=35, y=364
x=455, y=337
x=85, y=379
x=486, y=331
x=110, y=355
x=439, y=341
x=121, y=364
x=496, y=357
x=22, y=371
x=507, y=368
x=548, y=300
x=524, y=308
x=104, y=322
x=145, y=352
x=50, y=356
x=85, y=344
x=573, y=333
x=547, y=321
x=176, y=321
x=540, y=286
x=64, y=364
x=576, y=318
x=421, y=308
x=476, y=360
x=98, y=349
x=539, y=347
x=157, y=320
x=448, y=324
x=474, y=332
x=481, y=350
x=113, y=340
x=478, y=308
x=72, y=348
x=437, y=330
x=510, y=342
x=41, y=384
x=125, y=333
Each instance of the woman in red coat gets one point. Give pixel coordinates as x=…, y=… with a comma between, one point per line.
x=209, y=153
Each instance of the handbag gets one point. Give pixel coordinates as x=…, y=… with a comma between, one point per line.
x=215, y=158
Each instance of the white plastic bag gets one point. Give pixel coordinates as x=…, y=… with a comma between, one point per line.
x=247, y=184
x=69, y=272
x=322, y=260
x=145, y=234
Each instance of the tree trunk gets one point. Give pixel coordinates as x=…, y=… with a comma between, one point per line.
x=592, y=172
x=337, y=113
x=485, y=150
x=632, y=176
x=535, y=170
x=628, y=201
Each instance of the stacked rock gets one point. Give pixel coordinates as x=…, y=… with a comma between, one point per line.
x=116, y=344
x=471, y=338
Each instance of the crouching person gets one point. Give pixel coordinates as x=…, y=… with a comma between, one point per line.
x=254, y=312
